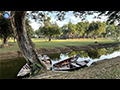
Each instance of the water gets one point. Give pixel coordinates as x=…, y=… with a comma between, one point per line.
x=10, y=68
x=93, y=54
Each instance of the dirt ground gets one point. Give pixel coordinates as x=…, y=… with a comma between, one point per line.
x=105, y=69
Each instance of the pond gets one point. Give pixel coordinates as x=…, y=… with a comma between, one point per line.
x=10, y=68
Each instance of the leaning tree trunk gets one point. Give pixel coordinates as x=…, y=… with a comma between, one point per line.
x=24, y=41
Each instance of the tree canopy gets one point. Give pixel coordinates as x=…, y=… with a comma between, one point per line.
x=96, y=28
x=5, y=30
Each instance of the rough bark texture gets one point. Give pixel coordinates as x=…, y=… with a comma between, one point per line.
x=23, y=39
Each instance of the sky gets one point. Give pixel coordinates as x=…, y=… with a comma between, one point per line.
x=69, y=15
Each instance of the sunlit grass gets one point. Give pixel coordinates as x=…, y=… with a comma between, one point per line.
x=41, y=43
x=67, y=40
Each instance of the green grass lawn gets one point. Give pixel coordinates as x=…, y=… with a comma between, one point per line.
x=40, y=43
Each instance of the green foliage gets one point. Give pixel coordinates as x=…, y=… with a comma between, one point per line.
x=71, y=28
x=64, y=29
x=94, y=53
x=82, y=28
x=5, y=29
x=96, y=28
x=30, y=29
x=39, y=65
x=37, y=32
x=34, y=67
x=113, y=16
x=49, y=29
x=117, y=30
x=112, y=31
x=54, y=30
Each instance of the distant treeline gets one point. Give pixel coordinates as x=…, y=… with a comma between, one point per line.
x=79, y=30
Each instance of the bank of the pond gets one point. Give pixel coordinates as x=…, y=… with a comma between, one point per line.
x=53, y=50
x=105, y=69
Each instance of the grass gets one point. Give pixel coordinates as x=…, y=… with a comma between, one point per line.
x=41, y=43
x=68, y=42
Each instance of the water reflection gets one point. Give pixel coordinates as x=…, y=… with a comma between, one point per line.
x=93, y=54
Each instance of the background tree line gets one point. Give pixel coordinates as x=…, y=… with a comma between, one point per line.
x=67, y=31
x=79, y=30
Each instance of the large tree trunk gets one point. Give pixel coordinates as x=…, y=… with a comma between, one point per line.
x=24, y=41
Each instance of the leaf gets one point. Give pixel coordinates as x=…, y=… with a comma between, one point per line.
x=34, y=67
x=39, y=65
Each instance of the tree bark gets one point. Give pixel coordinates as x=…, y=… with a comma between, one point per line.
x=14, y=39
x=4, y=44
x=23, y=39
x=45, y=38
x=50, y=38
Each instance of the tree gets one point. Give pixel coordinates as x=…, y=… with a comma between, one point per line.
x=110, y=30
x=64, y=29
x=117, y=29
x=86, y=26
x=71, y=29
x=82, y=28
x=113, y=16
x=47, y=26
x=53, y=30
x=24, y=41
x=113, y=31
x=49, y=29
x=37, y=32
x=96, y=28
x=5, y=30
